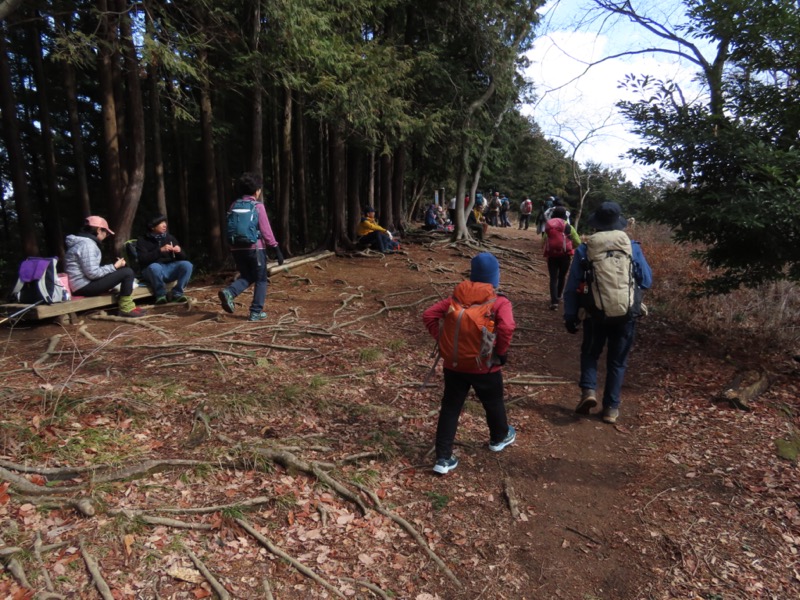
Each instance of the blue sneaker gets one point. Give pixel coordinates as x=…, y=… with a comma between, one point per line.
x=254, y=316
x=226, y=299
x=445, y=465
x=507, y=441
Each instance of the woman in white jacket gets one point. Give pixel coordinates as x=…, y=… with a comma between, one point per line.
x=87, y=277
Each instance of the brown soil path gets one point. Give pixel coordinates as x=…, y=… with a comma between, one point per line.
x=336, y=379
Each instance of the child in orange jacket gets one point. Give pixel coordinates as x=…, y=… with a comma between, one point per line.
x=485, y=379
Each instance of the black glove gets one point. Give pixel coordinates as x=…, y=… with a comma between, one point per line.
x=500, y=359
x=279, y=255
x=572, y=323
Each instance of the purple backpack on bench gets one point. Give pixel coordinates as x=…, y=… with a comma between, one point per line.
x=38, y=282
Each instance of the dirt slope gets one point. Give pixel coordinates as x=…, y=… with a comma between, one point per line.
x=684, y=498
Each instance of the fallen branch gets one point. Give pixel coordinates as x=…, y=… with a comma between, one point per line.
x=218, y=588
x=580, y=533
x=412, y=532
x=97, y=577
x=264, y=541
x=531, y=381
x=201, y=510
x=267, y=589
x=164, y=521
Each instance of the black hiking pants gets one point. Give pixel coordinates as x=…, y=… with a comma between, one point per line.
x=557, y=267
x=489, y=389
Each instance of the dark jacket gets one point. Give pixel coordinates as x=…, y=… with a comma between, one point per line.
x=148, y=250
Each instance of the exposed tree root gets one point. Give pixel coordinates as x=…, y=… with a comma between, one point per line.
x=199, y=510
x=97, y=576
x=383, y=310
x=290, y=461
x=15, y=568
x=85, y=333
x=139, y=322
x=513, y=505
x=267, y=589
x=215, y=584
x=412, y=532
x=264, y=541
x=370, y=586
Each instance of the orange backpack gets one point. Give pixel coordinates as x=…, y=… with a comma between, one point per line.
x=467, y=335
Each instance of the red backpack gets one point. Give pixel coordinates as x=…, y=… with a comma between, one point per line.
x=558, y=243
x=467, y=335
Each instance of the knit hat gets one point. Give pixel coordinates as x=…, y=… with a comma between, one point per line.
x=608, y=218
x=559, y=212
x=95, y=221
x=369, y=209
x=156, y=221
x=485, y=269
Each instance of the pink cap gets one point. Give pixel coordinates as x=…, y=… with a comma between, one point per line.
x=95, y=221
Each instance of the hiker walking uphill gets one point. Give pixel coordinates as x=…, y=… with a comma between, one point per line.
x=525, y=210
x=249, y=234
x=87, y=277
x=604, y=290
x=473, y=329
x=560, y=239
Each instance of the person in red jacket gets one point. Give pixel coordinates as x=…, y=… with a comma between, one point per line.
x=485, y=379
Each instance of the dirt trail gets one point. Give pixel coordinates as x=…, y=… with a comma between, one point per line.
x=350, y=384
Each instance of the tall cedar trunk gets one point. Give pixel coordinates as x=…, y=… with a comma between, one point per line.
x=386, y=191
x=355, y=180
x=299, y=160
x=51, y=213
x=136, y=138
x=155, y=121
x=256, y=100
x=215, y=247
x=275, y=148
x=110, y=163
x=286, y=173
x=338, y=187
x=184, y=231
x=371, y=181
x=118, y=83
x=398, y=177
x=79, y=157
x=11, y=138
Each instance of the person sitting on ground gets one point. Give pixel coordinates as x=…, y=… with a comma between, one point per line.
x=163, y=261
x=373, y=235
x=485, y=377
x=431, y=218
x=87, y=277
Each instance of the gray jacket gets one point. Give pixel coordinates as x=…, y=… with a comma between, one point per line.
x=82, y=261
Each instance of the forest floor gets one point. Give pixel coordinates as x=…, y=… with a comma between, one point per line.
x=200, y=455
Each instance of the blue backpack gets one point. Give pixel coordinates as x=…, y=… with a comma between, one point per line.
x=243, y=223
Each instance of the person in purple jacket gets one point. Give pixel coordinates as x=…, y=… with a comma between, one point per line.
x=251, y=261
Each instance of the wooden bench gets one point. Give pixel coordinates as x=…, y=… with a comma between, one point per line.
x=71, y=307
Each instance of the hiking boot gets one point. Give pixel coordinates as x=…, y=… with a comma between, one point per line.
x=179, y=299
x=254, y=316
x=133, y=314
x=445, y=465
x=554, y=306
x=587, y=403
x=226, y=299
x=610, y=415
x=507, y=441
x=161, y=300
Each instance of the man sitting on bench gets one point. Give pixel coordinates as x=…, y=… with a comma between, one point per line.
x=162, y=261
